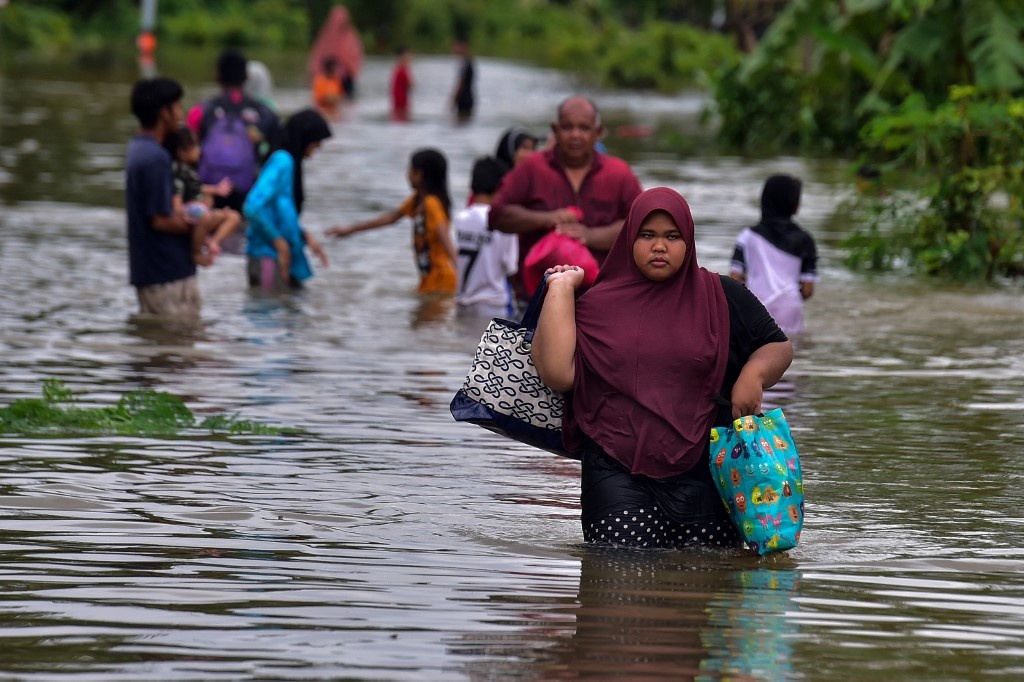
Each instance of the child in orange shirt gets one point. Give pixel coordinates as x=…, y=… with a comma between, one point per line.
x=429, y=207
x=327, y=91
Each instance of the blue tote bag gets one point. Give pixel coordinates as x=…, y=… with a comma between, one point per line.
x=756, y=469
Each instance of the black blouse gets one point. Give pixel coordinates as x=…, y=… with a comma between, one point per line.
x=750, y=327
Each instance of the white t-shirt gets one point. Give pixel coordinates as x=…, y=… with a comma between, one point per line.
x=774, y=276
x=486, y=259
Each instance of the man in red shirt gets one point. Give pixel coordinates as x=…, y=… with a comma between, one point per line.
x=541, y=192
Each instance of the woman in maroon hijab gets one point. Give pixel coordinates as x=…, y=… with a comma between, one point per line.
x=657, y=352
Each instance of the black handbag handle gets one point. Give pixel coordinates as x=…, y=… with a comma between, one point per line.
x=532, y=314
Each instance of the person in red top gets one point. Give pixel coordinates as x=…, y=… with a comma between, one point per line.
x=401, y=84
x=542, y=192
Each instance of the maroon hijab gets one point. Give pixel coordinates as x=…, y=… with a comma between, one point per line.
x=649, y=355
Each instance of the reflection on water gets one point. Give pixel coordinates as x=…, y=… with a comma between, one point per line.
x=387, y=541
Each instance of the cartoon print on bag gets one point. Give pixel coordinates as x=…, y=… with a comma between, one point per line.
x=741, y=502
x=769, y=495
x=720, y=457
x=794, y=514
x=767, y=448
x=780, y=443
x=738, y=450
x=734, y=476
x=787, y=490
x=755, y=496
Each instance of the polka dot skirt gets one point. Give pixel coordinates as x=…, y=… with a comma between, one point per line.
x=651, y=528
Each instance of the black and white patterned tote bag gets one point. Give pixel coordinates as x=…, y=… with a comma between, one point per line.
x=503, y=392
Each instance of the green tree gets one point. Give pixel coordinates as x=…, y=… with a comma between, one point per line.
x=922, y=85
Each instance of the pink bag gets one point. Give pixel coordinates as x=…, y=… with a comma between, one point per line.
x=557, y=249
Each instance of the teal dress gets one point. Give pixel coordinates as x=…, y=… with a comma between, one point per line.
x=271, y=213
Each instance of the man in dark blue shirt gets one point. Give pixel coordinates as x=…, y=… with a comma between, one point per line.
x=159, y=240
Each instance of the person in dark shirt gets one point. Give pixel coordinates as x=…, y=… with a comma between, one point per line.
x=463, y=99
x=159, y=239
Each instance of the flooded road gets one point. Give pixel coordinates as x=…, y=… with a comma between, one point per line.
x=386, y=541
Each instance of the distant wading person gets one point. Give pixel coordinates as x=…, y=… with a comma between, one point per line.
x=777, y=259
x=401, y=85
x=463, y=98
x=429, y=207
x=276, y=241
x=338, y=38
x=486, y=258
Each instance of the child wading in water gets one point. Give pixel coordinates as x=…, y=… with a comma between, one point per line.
x=195, y=200
x=277, y=241
x=429, y=207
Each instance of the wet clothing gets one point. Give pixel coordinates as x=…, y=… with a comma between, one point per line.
x=187, y=182
x=437, y=272
x=464, y=97
x=264, y=274
x=154, y=257
x=774, y=274
x=271, y=213
x=776, y=256
x=302, y=129
x=401, y=83
x=326, y=91
x=683, y=509
x=486, y=259
x=338, y=38
x=539, y=183
x=622, y=509
x=654, y=361
x=179, y=299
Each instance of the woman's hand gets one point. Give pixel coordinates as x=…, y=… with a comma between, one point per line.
x=746, y=395
x=284, y=258
x=764, y=368
x=564, y=275
x=314, y=246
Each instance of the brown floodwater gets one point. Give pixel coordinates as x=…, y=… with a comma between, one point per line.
x=386, y=541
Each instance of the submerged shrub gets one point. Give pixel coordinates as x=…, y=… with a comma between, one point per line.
x=142, y=412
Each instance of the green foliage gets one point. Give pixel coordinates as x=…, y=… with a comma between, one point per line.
x=968, y=224
x=841, y=63
x=27, y=27
x=662, y=56
x=263, y=23
x=137, y=412
x=634, y=45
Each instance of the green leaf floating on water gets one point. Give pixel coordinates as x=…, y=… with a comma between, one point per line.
x=140, y=412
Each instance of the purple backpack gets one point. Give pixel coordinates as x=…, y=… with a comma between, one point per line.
x=228, y=150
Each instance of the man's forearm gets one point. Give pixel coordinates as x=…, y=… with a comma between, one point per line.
x=516, y=219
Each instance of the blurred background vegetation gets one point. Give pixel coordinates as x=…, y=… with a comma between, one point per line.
x=651, y=44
